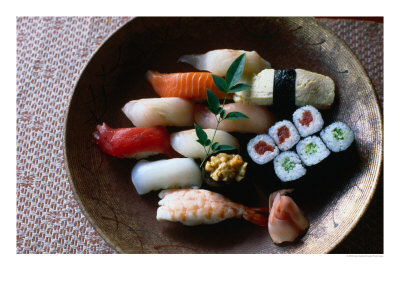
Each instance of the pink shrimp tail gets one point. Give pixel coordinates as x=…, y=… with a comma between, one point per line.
x=252, y=216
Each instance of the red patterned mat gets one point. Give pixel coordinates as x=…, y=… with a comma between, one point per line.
x=51, y=52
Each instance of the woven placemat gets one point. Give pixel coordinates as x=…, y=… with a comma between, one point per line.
x=51, y=52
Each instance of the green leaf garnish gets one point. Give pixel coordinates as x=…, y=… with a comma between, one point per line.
x=235, y=71
x=311, y=148
x=220, y=83
x=214, y=146
x=288, y=165
x=201, y=134
x=235, y=115
x=213, y=102
x=225, y=148
x=229, y=85
x=239, y=87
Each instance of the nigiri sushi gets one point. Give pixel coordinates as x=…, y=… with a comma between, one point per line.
x=135, y=142
x=286, y=221
x=188, y=85
x=218, y=61
x=289, y=87
x=185, y=142
x=198, y=206
x=259, y=121
x=170, y=111
x=166, y=173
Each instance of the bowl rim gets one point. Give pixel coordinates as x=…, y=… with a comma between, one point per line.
x=329, y=249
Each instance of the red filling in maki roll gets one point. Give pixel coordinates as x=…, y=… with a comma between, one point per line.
x=283, y=134
x=306, y=118
x=261, y=147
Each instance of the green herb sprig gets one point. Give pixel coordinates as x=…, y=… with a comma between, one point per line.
x=228, y=85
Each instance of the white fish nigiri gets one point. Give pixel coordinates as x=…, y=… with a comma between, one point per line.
x=259, y=121
x=164, y=174
x=169, y=111
x=286, y=221
x=218, y=61
x=185, y=142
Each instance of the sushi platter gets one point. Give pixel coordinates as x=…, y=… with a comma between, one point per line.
x=184, y=143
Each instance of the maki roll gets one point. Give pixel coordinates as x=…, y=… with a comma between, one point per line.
x=312, y=150
x=337, y=136
x=308, y=120
x=288, y=87
x=284, y=134
x=288, y=166
x=262, y=149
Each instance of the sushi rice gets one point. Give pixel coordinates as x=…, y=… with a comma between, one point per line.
x=312, y=150
x=288, y=166
x=308, y=120
x=284, y=134
x=262, y=149
x=337, y=136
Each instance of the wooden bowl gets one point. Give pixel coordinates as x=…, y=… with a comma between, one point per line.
x=333, y=201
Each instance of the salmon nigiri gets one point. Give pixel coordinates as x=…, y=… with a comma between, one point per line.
x=188, y=85
x=134, y=142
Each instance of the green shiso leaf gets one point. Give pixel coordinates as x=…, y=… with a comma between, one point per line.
x=288, y=165
x=220, y=83
x=338, y=134
x=311, y=148
x=235, y=115
x=224, y=148
x=222, y=114
x=201, y=134
x=235, y=71
x=214, y=146
x=213, y=102
x=239, y=87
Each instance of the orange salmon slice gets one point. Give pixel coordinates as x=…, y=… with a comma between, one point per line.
x=188, y=85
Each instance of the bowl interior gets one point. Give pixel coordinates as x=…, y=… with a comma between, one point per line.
x=333, y=196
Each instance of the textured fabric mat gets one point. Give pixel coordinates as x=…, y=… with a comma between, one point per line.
x=51, y=52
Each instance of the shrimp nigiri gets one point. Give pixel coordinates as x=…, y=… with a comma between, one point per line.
x=259, y=121
x=188, y=85
x=286, y=221
x=218, y=61
x=135, y=142
x=171, y=111
x=198, y=206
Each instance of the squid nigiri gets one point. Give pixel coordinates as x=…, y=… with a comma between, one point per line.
x=218, y=61
x=189, y=85
x=185, y=142
x=286, y=221
x=259, y=121
x=165, y=173
x=198, y=206
x=171, y=111
x=135, y=142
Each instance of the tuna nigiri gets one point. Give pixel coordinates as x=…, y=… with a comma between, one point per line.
x=188, y=85
x=185, y=142
x=135, y=142
x=197, y=206
x=218, y=61
x=171, y=111
x=165, y=173
x=260, y=118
